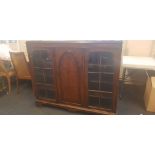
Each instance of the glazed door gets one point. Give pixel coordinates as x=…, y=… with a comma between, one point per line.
x=42, y=63
x=101, y=75
x=69, y=67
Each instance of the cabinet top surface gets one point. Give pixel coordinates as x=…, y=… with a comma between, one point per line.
x=76, y=41
x=106, y=44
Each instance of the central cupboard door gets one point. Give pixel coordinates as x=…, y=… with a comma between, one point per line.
x=69, y=64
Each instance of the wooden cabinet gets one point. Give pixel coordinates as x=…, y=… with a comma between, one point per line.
x=76, y=75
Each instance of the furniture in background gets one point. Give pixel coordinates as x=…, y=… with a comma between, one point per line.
x=76, y=75
x=21, y=67
x=2, y=84
x=149, y=95
x=135, y=63
x=7, y=72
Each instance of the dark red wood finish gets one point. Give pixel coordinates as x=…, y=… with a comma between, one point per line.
x=69, y=87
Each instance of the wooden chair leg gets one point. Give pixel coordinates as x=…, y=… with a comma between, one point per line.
x=33, y=89
x=17, y=83
x=9, y=85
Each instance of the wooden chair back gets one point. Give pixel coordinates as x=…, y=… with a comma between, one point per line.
x=20, y=65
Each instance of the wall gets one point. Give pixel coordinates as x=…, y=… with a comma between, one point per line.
x=153, y=48
x=138, y=47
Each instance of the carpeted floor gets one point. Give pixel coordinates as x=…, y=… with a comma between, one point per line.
x=24, y=103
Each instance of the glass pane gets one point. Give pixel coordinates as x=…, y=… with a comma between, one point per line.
x=93, y=86
x=106, y=103
x=44, y=55
x=36, y=59
x=106, y=58
x=107, y=77
x=93, y=77
x=47, y=62
x=41, y=58
x=48, y=76
x=94, y=58
x=41, y=93
x=93, y=68
x=100, y=102
x=46, y=93
x=50, y=94
x=106, y=87
x=94, y=101
x=107, y=68
x=38, y=74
